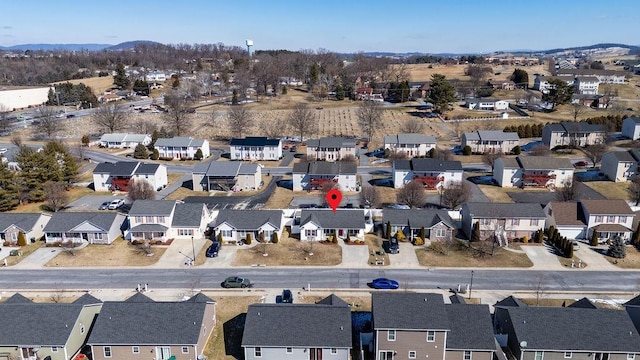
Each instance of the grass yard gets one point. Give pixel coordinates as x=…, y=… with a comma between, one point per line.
x=119, y=253
x=374, y=245
x=610, y=189
x=73, y=194
x=279, y=199
x=631, y=261
x=183, y=192
x=387, y=195
x=495, y=193
x=290, y=252
x=173, y=177
x=24, y=250
x=459, y=255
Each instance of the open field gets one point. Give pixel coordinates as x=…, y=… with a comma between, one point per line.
x=610, y=189
x=73, y=194
x=423, y=72
x=459, y=255
x=97, y=84
x=119, y=253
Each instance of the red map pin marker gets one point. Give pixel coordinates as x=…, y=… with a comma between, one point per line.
x=334, y=197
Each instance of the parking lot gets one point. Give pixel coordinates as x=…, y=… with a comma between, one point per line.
x=93, y=202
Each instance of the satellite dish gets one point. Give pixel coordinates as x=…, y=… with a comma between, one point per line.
x=523, y=344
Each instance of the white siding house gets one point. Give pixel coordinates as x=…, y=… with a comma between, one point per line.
x=620, y=166
x=433, y=173
x=412, y=145
x=256, y=148
x=482, y=141
x=313, y=175
x=182, y=147
x=124, y=140
x=631, y=128
x=533, y=171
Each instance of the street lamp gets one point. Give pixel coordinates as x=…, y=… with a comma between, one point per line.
x=193, y=247
x=471, y=284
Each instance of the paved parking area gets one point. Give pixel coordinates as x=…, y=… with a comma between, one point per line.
x=406, y=258
x=93, y=202
x=593, y=258
x=354, y=256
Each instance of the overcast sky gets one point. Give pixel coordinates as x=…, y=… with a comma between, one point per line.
x=460, y=26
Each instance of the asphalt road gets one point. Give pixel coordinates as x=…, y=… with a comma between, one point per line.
x=326, y=278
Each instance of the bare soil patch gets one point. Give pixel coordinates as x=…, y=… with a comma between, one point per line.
x=631, y=261
x=119, y=253
x=97, y=84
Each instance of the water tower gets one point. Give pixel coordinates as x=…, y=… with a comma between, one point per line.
x=249, y=47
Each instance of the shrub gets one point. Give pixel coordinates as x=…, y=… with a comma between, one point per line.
x=525, y=239
x=516, y=150
x=594, y=238
x=400, y=235
x=199, y=155
x=330, y=238
x=261, y=237
x=220, y=237
x=348, y=239
x=466, y=150
x=85, y=140
x=335, y=239
x=539, y=236
x=248, y=239
x=275, y=238
x=22, y=240
x=155, y=155
x=418, y=241
x=6, y=243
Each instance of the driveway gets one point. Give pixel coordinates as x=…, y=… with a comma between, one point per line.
x=353, y=256
x=542, y=258
x=225, y=257
x=93, y=202
x=406, y=258
x=593, y=258
x=180, y=252
x=38, y=258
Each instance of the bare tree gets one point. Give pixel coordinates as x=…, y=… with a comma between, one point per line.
x=144, y=127
x=47, y=124
x=369, y=118
x=140, y=190
x=595, y=152
x=270, y=129
x=177, y=115
x=412, y=194
x=239, y=120
x=539, y=150
x=490, y=157
x=302, y=121
x=412, y=126
x=442, y=154
x=577, y=109
x=634, y=190
x=110, y=117
x=455, y=194
x=5, y=121
x=56, y=195
x=369, y=196
x=570, y=191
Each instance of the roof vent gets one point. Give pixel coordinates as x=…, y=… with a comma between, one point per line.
x=524, y=321
x=258, y=313
x=341, y=328
x=425, y=299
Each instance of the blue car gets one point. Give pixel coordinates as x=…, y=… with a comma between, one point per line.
x=384, y=283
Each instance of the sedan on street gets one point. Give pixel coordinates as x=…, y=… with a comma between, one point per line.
x=384, y=283
x=235, y=282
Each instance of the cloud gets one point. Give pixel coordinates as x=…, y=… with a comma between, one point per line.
x=7, y=27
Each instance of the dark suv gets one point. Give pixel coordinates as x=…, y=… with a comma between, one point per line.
x=285, y=298
x=213, y=249
x=391, y=246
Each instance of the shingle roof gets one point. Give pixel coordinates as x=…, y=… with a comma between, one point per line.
x=122, y=137
x=254, y=141
x=325, y=168
x=417, y=218
x=87, y=299
x=148, y=323
x=152, y=207
x=332, y=300
x=581, y=127
x=248, y=219
x=623, y=156
x=149, y=227
x=303, y=325
x=139, y=297
x=572, y=329
x=409, y=139
x=457, y=299
x=120, y=168
x=544, y=163
x=37, y=324
x=188, y=215
x=504, y=210
x=471, y=327
x=492, y=135
x=147, y=169
x=23, y=221
x=567, y=213
x=179, y=141
x=634, y=119
x=411, y=311
x=327, y=219
x=508, y=162
x=584, y=303
x=511, y=301
x=200, y=297
x=247, y=169
x=606, y=207
x=224, y=168
x=18, y=298
x=635, y=301
x=427, y=164
x=65, y=221
x=331, y=142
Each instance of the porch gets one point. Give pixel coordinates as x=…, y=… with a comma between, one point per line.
x=149, y=232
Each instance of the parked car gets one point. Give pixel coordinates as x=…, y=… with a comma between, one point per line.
x=399, y=207
x=69, y=116
x=391, y=246
x=576, y=246
x=115, y=204
x=285, y=298
x=235, y=282
x=580, y=164
x=104, y=205
x=384, y=283
x=213, y=249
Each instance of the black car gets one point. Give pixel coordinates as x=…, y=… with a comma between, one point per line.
x=391, y=246
x=212, y=250
x=285, y=298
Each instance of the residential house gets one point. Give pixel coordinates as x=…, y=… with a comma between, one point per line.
x=486, y=104
x=567, y=217
x=620, y=165
x=572, y=134
x=538, y=333
x=482, y=141
x=124, y=140
x=411, y=145
x=433, y=173
x=91, y=226
x=631, y=128
x=256, y=148
x=505, y=221
x=591, y=100
x=542, y=84
x=632, y=307
x=116, y=176
x=176, y=330
x=586, y=85
x=367, y=94
x=226, y=175
x=533, y=171
x=155, y=76
x=318, y=225
x=29, y=224
x=190, y=220
x=410, y=325
x=608, y=218
x=55, y=331
x=234, y=225
x=437, y=223
x=314, y=175
x=331, y=148
x=182, y=147
x=167, y=219
x=603, y=76
x=298, y=331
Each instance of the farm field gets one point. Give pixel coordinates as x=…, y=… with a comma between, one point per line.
x=97, y=84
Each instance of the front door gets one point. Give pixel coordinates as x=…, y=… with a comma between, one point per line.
x=340, y=232
x=315, y=354
x=602, y=356
x=163, y=353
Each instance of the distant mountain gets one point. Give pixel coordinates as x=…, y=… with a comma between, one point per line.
x=633, y=48
x=77, y=47
x=131, y=44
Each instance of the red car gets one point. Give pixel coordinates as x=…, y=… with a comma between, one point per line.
x=581, y=164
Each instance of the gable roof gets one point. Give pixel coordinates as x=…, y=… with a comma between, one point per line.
x=544, y=163
x=492, y=135
x=325, y=168
x=606, y=207
x=23, y=221
x=122, y=137
x=307, y=325
x=147, y=169
x=567, y=213
x=471, y=327
x=87, y=299
x=139, y=297
x=571, y=329
x=331, y=142
x=635, y=301
x=179, y=141
x=18, y=298
x=511, y=301
x=148, y=323
x=200, y=297
x=248, y=219
x=327, y=219
x=572, y=127
x=224, y=168
x=254, y=141
x=65, y=221
x=457, y=299
x=584, y=303
x=188, y=214
x=409, y=139
x=334, y=300
x=152, y=207
x=119, y=168
x=417, y=218
x=418, y=311
x=427, y=164
x=504, y=210
x=37, y=324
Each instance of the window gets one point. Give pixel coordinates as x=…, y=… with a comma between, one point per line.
x=185, y=349
x=441, y=232
x=289, y=350
x=485, y=221
x=226, y=233
x=412, y=354
x=185, y=232
x=149, y=219
x=135, y=349
x=622, y=219
x=515, y=222
x=14, y=236
x=334, y=351
x=598, y=218
x=391, y=335
x=431, y=336
x=534, y=222
x=539, y=355
x=353, y=232
x=107, y=351
x=611, y=219
x=568, y=354
x=54, y=349
x=257, y=352
x=631, y=356
x=97, y=236
x=467, y=355
x=310, y=232
x=160, y=219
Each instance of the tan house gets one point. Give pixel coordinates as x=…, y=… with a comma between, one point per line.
x=331, y=148
x=30, y=224
x=140, y=328
x=503, y=221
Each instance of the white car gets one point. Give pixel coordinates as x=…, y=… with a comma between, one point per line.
x=115, y=204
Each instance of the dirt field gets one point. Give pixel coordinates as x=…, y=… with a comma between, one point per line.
x=97, y=84
x=423, y=72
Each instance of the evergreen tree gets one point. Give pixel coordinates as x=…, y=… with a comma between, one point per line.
x=9, y=190
x=339, y=90
x=388, y=230
x=85, y=140
x=234, y=97
x=594, y=238
x=475, y=232
x=423, y=233
x=155, y=155
x=140, y=152
x=61, y=155
x=22, y=240
x=247, y=240
x=275, y=238
x=441, y=92
x=617, y=249
x=51, y=98
x=520, y=77
x=120, y=79
x=141, y=87
x=199, y=155
x=635, y=240
x=516, y=150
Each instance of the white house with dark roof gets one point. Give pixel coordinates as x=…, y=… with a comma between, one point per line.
x=147, y=329
x=620, y=166
x=533, y=171
x=30, y=224
x=631, y=128
x=412, y=145
x=313, y=331
x=234, y=225
x=331, y=148
x=572, y=133
x=124, y=140
x=433, y=173
x=55, y=331
x=255, y=148
x=567, y=217
x=486, y=104
x=226, y=176
x=319, y=224
x=77, y=227
x=180, y=147
x=542, y=84
x=586, y=85
x=167, y=219
x=482, y=141
x=314, y=175
x=116, y=176
x=603, y=75
x=504, y=221
x=438, y=224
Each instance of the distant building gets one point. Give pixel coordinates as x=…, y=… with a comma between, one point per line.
x=572, y=133
x=255, y=148
x=482, y=141
x=331, y=148
x=15, y=99
x=486, y=104
x=412, y=145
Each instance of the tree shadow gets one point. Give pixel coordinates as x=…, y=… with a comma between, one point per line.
x=232, y=333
